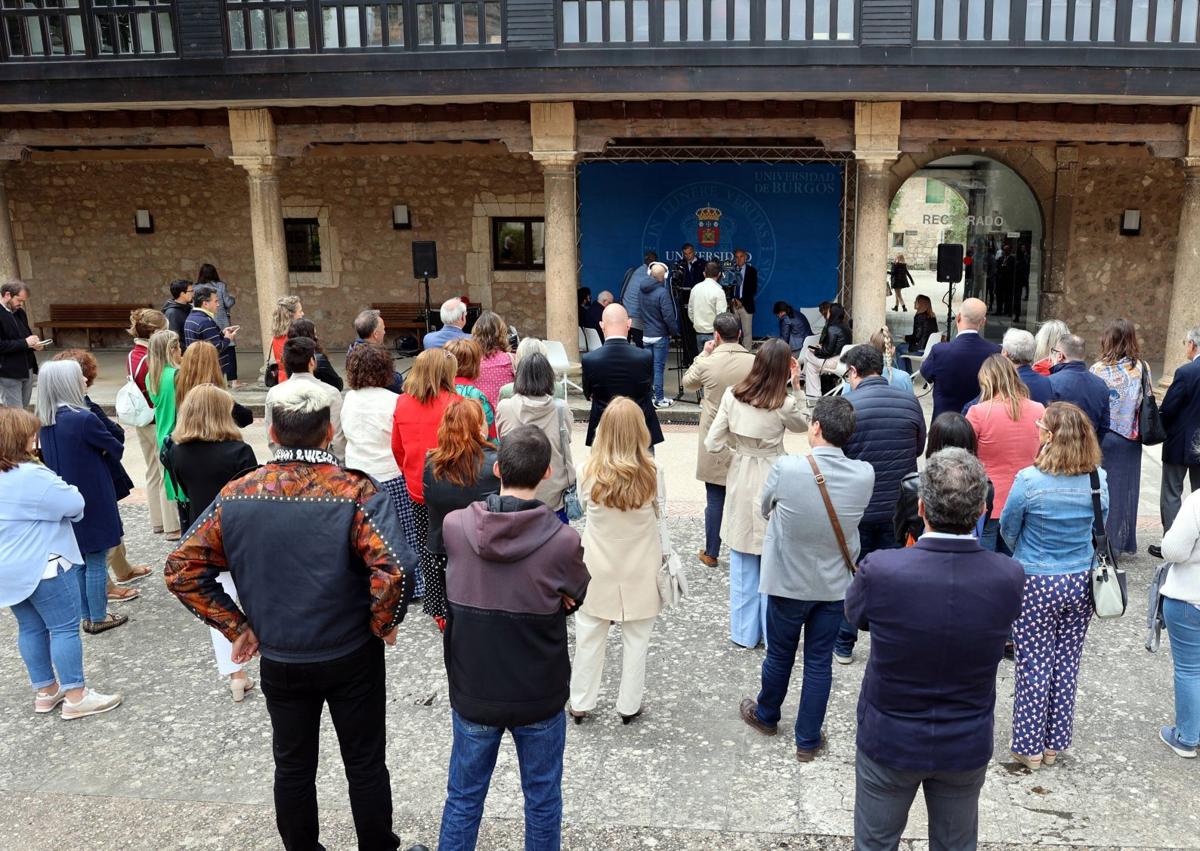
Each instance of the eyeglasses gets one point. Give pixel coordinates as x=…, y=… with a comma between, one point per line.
x=1042, y=426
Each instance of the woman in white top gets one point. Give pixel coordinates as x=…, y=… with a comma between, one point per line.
x=623, y=551
x=751, y=420
x=367, y=426
x=1181, y=612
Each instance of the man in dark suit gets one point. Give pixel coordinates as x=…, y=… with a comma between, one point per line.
x=1072, y=381
x=619, y=368
x=689, y=271
x=1180, y=411
x=927, y=706
x=954, y=367
x=18, y=363
x=745, y=287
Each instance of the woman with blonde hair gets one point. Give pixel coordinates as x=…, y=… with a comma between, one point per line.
x=881, y=341
x=202, y=365
x=752, y=419
x=206, y=454
x=901, y=279
x=164, y=361
x=1045, y=342
x=496, y=367
x=1122, y=369
x=623, y=552
x=1047, y=521
x=467, y=353
x=287, y=309
x=428, y=392
x=1005, y=424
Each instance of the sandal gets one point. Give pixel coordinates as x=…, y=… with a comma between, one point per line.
x=110, y=621
x=122, y=595
x=1033, y=763
x=174, y=536
x=140, y=571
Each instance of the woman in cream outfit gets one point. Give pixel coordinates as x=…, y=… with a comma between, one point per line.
x=623, y=552
x=752, y=419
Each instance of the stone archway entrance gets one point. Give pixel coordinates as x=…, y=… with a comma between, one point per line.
x=989, y=209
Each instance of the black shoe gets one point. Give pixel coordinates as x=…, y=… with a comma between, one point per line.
x=1154, y=550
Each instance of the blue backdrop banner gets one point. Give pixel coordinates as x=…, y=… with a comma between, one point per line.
x=786, y=215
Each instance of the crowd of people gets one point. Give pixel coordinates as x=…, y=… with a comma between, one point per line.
x=455, y=484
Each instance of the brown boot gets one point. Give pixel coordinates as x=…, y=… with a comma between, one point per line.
x=706, y=559
x=749, y=712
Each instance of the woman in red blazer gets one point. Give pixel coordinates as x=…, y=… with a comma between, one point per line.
x=428, y=391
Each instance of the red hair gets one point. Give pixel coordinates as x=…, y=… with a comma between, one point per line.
x=460, y=443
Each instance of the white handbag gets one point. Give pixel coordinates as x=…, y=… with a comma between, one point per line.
x=131, y=406
x=672, y=578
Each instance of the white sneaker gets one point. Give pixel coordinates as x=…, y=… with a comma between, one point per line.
x=44, y=702
x=93, y=703
x=843, y=660
x=664, y=403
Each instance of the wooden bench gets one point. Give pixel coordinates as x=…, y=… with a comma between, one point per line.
x=406, y=317
x=87, y=317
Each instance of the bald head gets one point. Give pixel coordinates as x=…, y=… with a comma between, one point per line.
x=614, y=322
x=972, y=315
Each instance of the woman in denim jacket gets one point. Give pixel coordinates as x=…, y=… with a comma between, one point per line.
x=1047, y=522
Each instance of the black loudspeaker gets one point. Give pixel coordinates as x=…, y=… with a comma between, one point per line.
x=949, y=264
x=425, y=259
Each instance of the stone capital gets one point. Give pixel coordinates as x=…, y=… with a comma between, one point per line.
x=10, y=154
x=556, y=161
x=1191, y=168
x=876, y=163
x=260, y=168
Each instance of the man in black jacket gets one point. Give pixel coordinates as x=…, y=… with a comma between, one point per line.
x=18, y=363
x=619, y=368
x=324, y=577
x=889, y=434
x=178, y=307
x=1180, y=411
x=745, y=288
x=514, y=572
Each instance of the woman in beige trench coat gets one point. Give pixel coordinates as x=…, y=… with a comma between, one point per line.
x=751, y=420
x=623, y=552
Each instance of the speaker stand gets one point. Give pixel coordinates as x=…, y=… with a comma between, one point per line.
x=428, y=306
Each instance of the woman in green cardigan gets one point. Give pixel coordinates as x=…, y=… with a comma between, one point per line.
x=164, y=359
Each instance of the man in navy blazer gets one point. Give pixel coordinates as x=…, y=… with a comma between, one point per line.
x=954, y=367
x=1180, y=411
x=1073, y=382
x=619, y=368
x=939, y=613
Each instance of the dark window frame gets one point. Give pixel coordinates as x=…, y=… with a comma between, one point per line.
x=91, y=17
x=526, y=263
x=314, y=242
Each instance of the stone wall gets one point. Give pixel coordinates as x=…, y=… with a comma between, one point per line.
x=74, y=231
x=921, y=240
x=1111, y=276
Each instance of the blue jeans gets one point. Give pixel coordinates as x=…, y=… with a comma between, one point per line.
x=714, y=510
x=991, y=539
x=1183, y=627
x=660, y=350
x=872, y=535
x=48, y=632
x=701, y=339
x=819, y=621
x=472, y=760
x=747, y=607
x=92, y=576
x=899, y=361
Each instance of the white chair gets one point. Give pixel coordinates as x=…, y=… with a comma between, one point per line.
x=592, y=336
x=914, y=366
x=557, y=355
x=581, y=341
x=815, y=320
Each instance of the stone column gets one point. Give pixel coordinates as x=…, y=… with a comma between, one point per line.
x=266, y=232
x=255, y=148
x=869, y=308
x=8, y=245
x=562, y=251
x=1185, y=293
x=876, y=147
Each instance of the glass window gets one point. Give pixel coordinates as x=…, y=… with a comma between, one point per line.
x=518, y=243
x=302, y=240
x=820, y=20
x=641, y=20
x=258, y=29
x=741, y=20
x=797, y=22
x=950, y=20
x=935, y=192
x=976, y=10
x=595, y=21
x=1033, y=20
x=1162, y=21
x=395, y=25
x=1108, y=21
x=695, y=20
x=773, y=18
x=1083, y=21
x=424, y=23
x=925, y=12
x=718, y=24
x=898, y=239
x=1000, y=16
x=470, y=16
x=570, y=13
x=616, y=20
x=1058, y=20
x=329, y=27
x=1187, y=21
x=671, y=20
x=300, y=29
x=493, y=24
x=1139, y=19
x=352, y=27
x=845, y=24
